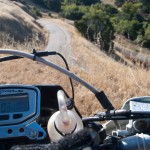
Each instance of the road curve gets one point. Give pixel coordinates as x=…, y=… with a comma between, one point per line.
x=59, y=37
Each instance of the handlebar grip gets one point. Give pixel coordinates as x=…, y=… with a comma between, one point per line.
x=102, y=98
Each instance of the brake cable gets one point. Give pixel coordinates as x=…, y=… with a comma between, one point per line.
x=43, y=54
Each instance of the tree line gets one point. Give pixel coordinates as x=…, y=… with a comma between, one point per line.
x=99, y=22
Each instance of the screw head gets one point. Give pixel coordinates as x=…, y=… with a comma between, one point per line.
x=33, y=134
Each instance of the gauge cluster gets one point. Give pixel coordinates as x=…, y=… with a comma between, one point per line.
x=19, y=110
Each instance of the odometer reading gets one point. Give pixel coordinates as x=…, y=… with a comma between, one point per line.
x=14, y=103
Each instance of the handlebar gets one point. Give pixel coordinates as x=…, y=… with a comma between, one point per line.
x=84, y=138
x=102, y=98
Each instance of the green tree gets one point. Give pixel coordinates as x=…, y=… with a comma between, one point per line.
x=131, y=9
x=53, y=5
x=39, y=2
x=81, y=25
x=81, y=2
x=147, y=36
x=128, y=21
x=119, y=3
x=36, y=12
x=128, y=28
x=96, y=25
x=87, y=2
x=72, y=12
x=108, y=9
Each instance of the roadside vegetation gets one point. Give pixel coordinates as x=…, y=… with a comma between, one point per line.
x=36, y=12
x=118, y=81
x=100, y=22
x=130, y=19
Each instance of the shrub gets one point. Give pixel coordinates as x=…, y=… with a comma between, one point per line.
x=36, y=12
x=96, y=26
x=72, y=12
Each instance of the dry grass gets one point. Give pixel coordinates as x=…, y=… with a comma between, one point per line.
x=118, y=81
x=16, y=22
x=7, y=42
x=131, y=45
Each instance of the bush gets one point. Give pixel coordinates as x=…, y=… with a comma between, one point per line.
x=87, y=2
x=147, y=37
x=96, y=26
x=81, y=2
x=53, y=5
x=72, y=12
x=39, y=2
x=36, y=12
x=128, y=28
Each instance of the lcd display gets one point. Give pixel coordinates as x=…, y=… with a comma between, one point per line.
x=14, y=103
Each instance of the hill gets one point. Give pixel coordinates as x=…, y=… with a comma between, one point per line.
x=118, y=80
x=17, y=23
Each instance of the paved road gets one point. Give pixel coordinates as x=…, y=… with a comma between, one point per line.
x=59, y=38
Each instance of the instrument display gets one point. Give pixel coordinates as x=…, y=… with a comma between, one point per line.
x=19, y=110
x=14, y=103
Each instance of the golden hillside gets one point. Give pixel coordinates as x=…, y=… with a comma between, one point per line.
x=118, y=81
x=17, y=23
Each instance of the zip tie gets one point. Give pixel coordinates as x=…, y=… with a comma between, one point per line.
x=35, y=54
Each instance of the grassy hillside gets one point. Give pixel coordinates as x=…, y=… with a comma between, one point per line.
x=101, y=22
x=119, y=82
x=17, y=23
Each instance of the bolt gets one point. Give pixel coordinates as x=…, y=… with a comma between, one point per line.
x=33, y=134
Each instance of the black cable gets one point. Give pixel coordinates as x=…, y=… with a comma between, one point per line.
x=91, y=119
x=71, y=83
x=102, y=118
x=7, y=58
x=42, y=54
x=38, y=54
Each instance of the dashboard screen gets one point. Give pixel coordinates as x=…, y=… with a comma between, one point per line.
x=14, y=103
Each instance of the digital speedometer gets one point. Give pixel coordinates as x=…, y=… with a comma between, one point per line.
x=19, y=109
x=14, y=103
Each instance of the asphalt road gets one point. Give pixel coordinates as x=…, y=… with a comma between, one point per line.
x=59, y=37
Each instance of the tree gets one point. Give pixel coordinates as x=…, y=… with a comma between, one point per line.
x=53, y=5
x=81, y=25
x=128, y=21
x=119, y=3
x=39, y=2
x=87, y=2
x=72, y=12
x=131, y=9
x=147, y=36
x=81, y=2
x=128, y=28
x=96, y=25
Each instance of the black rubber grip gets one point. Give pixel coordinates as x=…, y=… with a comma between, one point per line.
x=102, y=98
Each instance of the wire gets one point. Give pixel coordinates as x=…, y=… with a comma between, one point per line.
x=56, y=67
x=71, y=83
x=42, y=54
x=116, y=118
